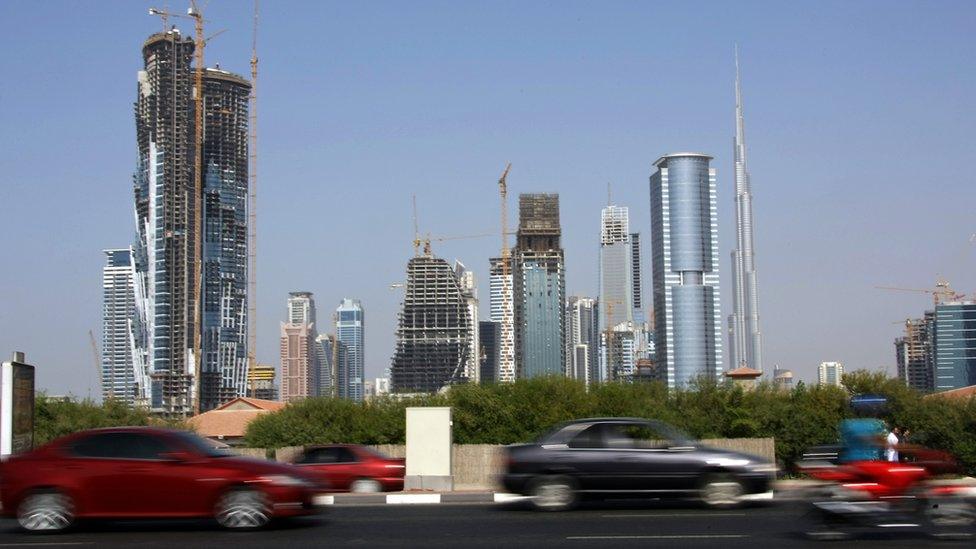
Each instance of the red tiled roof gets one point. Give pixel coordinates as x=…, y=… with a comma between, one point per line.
x=231, y=419
x=743, y=371
x=962, y=392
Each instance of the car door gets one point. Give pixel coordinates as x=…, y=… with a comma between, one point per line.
x=323, y=463
x=661, y=462
x=587, y=457
x=114, y=473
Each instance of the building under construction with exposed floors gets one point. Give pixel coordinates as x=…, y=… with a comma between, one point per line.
x=435, y=331
x=169, y=270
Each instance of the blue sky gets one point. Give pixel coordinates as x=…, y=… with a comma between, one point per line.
x=859, y=121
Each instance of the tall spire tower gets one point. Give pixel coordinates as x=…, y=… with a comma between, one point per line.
x=745, y=338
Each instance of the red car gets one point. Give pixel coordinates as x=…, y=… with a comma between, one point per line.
x=146, y=472
x=352, y=468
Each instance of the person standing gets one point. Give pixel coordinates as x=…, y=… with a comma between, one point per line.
x=891, y=451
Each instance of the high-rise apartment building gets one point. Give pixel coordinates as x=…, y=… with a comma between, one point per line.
x=583, y=339
x=472, y=370
x=503, y=312
x=434, y=333
x=118, y=310
x=745, y=337
x=171, y=317
x=489, y=334
x=684, y=241
x=539, y=288
x=350, y=331
x=299, y=352
x=954, y=345
x=913, y=354
x=830, y=373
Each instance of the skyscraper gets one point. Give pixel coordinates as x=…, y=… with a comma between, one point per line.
x=830, y=373
x=332, y=357
x=489, y=333
x=171, y=318
x=582, y=339
x=684, y=241
x=636, y=280
x=616, y=272
x=745, y=338
x=472, y=370
x=164, y=221
x=539, y=288
x=261, y=382
x=224, y=282
x=299, y=353
x=434, y=332
x=118, y=308
x=350, y=325
x=954, y=345
x=913, y=354
x=503, y=312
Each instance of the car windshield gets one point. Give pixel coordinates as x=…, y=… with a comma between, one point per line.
x=201, y=445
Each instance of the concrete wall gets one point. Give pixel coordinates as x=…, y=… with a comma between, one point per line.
x=475, y=466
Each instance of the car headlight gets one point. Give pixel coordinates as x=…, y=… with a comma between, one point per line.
x=283, y=480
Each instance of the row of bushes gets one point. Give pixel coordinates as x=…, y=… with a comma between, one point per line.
x=518, y=412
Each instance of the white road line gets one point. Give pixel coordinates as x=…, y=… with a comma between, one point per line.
x=323, y=500
x=690, y=536
x=505, y=498
x=47, y=544
x=674, y=515
x=413, y=498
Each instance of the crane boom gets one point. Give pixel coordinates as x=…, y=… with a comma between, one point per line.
x=252, y=199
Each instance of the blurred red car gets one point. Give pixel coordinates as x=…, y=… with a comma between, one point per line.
x=353, y=468
x=146, y=472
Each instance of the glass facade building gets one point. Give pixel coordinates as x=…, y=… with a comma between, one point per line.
x=350, y=327
x=684, y=240
x=954, y=345
x=118, y=308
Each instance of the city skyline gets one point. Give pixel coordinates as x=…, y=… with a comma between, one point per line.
x=805, y=233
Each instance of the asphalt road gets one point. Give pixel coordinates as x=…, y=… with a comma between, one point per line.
x=488, y=525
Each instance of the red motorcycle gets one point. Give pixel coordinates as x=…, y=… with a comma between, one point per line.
x=871, y=496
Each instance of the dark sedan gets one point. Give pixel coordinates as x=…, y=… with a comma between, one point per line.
x=630, y=457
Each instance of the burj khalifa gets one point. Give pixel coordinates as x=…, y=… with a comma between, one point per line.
x=745, y=338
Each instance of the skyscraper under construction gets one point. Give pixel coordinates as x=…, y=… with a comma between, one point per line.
x=168, y=268
x=539, y=288
x=435, y=332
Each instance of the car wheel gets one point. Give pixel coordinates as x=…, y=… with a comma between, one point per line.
x=721, y=491
x=553, y=493
x=243, y=509
x=45, y=511
x=365, y=486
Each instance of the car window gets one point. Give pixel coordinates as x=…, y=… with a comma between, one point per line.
x=641, y=436
x=321, y=455
x=120, y=446
x=345, y=455
x=591, y=437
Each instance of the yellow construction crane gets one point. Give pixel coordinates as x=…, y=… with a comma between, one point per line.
x=942, y=292
x=195, y=14
x=252, y=215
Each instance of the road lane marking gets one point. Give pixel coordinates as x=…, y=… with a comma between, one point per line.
x=413, y=498
x=505, y=498
x=674, y=515
x=676, y=536
x=47, y=544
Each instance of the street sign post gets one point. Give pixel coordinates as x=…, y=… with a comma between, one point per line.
x=16, y=406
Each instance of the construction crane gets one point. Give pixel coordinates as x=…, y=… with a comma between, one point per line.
x=98, y=363
x=425, y=241
x=252, y=200
x=942, y=292
x=506, y=259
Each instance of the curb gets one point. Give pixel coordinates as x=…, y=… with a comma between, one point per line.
x=416, y=499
